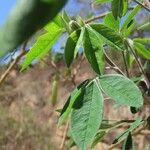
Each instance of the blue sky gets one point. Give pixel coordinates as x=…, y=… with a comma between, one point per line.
x=73, y=8
x=6, y=5
x=5, y=8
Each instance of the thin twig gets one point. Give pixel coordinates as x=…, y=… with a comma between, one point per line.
x=64, y=136
x=142, y=5
x=115, y=67
x=96, y=17
x=138, y=63
x=74, y=83
x=125, y=64
x=13, y=64
x=138, y=131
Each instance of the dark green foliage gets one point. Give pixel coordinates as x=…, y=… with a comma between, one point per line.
x=71, y=47
x=119, y=8
x=84, y=106
x=134, y=110
x=26, y=18
x=94, y=51
x=128, y=144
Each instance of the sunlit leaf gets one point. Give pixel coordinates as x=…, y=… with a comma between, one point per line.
x=130, y=17
x=109, y=36
x=111, y=22
x=54, y=25
x=145, y=40
x=142, y=50
x=145, y=27
x=65, y=20
x=117, y=8
x=125, y=7
x=129, y=29
x=42, y=46
x=97, y=2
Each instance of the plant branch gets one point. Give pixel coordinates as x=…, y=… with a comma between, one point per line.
x=13, y=64
x=138, y=63
x=138, y=131
x=142, y=5
x=125, y=64
x=115, y=67
x=96, y=17
x=64, y=136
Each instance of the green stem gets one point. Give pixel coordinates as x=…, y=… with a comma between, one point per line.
x=125, y=64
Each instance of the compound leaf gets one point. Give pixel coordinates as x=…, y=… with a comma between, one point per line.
x=109, y=36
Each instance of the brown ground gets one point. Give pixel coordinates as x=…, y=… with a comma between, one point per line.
x=28, y=121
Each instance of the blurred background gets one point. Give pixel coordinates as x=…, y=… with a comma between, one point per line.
x=29, y=99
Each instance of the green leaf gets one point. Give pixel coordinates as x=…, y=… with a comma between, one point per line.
x=145, y=27
x=66, y=17
x=124, y=135
x=74, y=25
x=87, y=115
x=121, y=90
x=54, y=92
x=147, y=147
x=94, y=51
x=111, y=22
x=117, y=8
x=145, y=40
x=109, y=36
x=54, y=25
x=130, y=17
x=80, y=21
x=65, y=20
x=25, y=19
x=128, y=144
x=71, y=46
x=59, y=110
x=125, y=7
x=98, y=137
x=142, y=50
x=129, y=59
x=148, y=122
x=71, y=100
x=129, y=28
x=97, y=2
x=42, y=46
